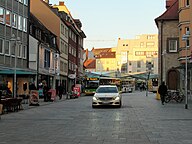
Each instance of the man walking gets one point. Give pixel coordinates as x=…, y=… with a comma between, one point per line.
x=61, y=90
x=162, y=91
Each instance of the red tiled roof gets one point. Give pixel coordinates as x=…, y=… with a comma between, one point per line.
x=90, y=64
x=106, y=55
x=97, y=51
x=171, y=13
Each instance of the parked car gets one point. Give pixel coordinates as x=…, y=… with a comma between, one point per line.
x=107, y=95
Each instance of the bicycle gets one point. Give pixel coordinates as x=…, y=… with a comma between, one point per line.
x=174, y=95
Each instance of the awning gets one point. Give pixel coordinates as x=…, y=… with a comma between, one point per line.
x=143, y=76
x=18, y=72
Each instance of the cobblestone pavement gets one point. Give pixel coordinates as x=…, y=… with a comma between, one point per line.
x=141, y=120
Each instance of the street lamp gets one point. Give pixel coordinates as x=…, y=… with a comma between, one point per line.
x=186, y=38
x=16, y=41
x=75, y=80
x=148, y=75
x=149, y=70
x=164, y=63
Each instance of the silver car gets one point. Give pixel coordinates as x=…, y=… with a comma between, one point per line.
x=107, y=95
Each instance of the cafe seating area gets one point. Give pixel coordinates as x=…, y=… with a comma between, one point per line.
x=11, y=104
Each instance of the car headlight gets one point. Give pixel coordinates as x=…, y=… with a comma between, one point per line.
x=94, y=98
x=116, y=98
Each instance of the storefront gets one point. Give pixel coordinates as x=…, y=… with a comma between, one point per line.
x=23, y=78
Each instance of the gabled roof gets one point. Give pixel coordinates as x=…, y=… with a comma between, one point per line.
x=170, y=14
x=90, y=64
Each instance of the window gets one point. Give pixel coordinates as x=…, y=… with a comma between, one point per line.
x=2, y=15
x=1, y=46
x=8, y=17
x=54, y=40
x=14, y=20
x=21, y=1
x=46, y=59
x=150, y=44
x=138, y=64
x=7, y=47
x=172, y=45
x=13, y=48
x=66, y=48
x=187, y=32
x=24, y=24
x=150, y=37
x=25, y=2
x=187, y=2
x=19, y=50
x=19, y=22
x=70, y=49
x=24, y=50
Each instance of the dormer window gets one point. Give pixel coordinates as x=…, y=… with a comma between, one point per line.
x=54, y=41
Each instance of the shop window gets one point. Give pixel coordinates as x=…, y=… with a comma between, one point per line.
x=2, y=15
x=8, y=18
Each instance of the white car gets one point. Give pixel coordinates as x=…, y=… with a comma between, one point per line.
x=107, y=95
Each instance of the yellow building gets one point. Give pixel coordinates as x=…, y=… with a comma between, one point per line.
x=133, y=55
x=106, y=61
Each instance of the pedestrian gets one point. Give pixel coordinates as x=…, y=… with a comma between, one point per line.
x=45, y=92
x=141, y=86
x=162, y=90
x=61, y=90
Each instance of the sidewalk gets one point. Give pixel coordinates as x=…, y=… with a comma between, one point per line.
x=42, y=103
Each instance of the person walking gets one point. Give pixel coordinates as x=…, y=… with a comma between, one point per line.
x=61, y=90
x=45, y=92
x=162, y=91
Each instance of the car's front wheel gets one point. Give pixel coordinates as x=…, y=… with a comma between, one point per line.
x=93, y=106
x=120, y=104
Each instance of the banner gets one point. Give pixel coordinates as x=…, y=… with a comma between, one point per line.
x=34, y=98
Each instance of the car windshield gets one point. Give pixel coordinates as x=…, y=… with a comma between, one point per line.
x=107, y=90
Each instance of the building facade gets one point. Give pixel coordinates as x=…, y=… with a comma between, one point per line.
x=169, y=65
x=185, y=26
x=49, y=17
x=43, y=53
x=14, y=58
x=133, y=55
x=75, y=46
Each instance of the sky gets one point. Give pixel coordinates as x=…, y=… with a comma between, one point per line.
x=104, y=21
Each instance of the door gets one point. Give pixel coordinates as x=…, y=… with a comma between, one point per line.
x=173, y=79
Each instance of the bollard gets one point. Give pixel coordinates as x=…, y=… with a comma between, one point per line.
x=158, y=96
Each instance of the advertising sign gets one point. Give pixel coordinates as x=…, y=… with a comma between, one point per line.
x=77, y=91
x=34, y=98
x=53, y=94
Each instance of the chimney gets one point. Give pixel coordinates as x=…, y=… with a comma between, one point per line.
x=169, y=3
x=87, y=53
x=61, y=3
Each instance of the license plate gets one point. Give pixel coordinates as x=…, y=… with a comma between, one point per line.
x=106, y=102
